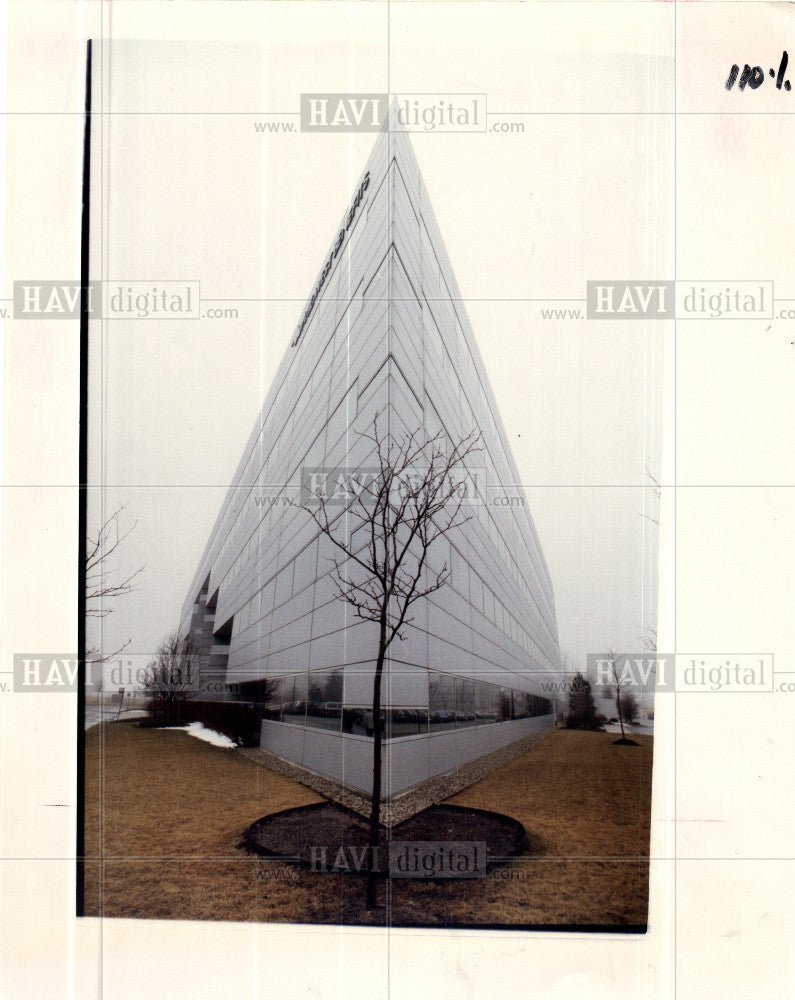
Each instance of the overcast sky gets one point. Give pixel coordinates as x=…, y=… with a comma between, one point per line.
x=198, y=194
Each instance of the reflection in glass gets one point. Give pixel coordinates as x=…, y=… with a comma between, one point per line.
x=528, y=706
x=406, y=722
x=357, y=721
x=324, y=702
x=280, y=700
x=441, y=701
x=487, y=703
x=395, y=722
x=294, y=708
x=315, y=700
x=465, y=713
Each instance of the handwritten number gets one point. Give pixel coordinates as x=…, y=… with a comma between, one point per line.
x=754, y=76
x=781, y=70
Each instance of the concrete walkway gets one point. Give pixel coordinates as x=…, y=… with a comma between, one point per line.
x=403, y=807
x=96, y=714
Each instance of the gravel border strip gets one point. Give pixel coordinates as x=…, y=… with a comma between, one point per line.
x=408, y=804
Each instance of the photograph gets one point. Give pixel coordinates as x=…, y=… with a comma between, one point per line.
x=396, y=507
x=388, y=657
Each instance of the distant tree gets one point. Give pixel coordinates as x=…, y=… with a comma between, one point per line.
x=648, y=636
x=104, y=583
x=621, y=693
x=566, y=670
x=170, y=680
x=582, y=710
x=656, y=491
x=629, y=707
x=332, y=689
x=566, y=663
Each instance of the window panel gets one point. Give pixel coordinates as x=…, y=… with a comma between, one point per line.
x=405, y=722
x=324, y=702
x=458, y=571
x=278, y=695
x=506, y=704
x=465, y=710
x=487, y=702
x=304, y=572
x=441, y=701
x=284, y=585
x=475, y=591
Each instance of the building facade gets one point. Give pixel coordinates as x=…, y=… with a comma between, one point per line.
x=383, y=334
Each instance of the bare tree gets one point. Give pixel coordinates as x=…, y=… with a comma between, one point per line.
x=617, y=687
x=384, y=541
x=101, y=579
x=656, y=489
x=170, y=679
x=103, y=582
x=648, y=636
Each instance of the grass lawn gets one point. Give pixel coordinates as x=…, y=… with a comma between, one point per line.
x=165, y=813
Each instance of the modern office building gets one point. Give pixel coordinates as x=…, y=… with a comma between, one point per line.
x=385, y=332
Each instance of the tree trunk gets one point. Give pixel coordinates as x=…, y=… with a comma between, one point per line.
x=620, y=716
x=375, y=805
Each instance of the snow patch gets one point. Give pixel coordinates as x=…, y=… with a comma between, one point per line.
x=208, y=735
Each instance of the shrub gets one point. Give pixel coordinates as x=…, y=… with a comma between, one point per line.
x=629, y=707
x=582, y=711
x=168, y=681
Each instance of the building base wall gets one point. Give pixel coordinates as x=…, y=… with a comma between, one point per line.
x=408, y=760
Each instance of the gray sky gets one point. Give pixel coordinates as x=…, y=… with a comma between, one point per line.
x=524, y=216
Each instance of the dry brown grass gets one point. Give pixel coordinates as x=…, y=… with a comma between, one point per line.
x=164, y=837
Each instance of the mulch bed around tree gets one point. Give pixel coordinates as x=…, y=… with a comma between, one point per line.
x=293, y=833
